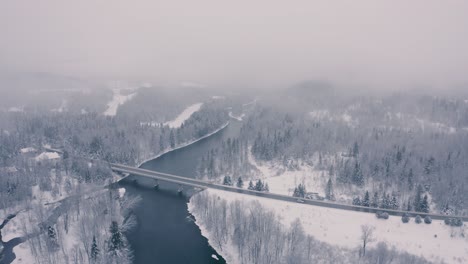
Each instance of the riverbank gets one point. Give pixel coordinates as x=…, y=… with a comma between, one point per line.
x=183, y=145
x=436, y=242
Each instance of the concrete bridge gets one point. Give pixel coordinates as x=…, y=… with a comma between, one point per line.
x=204, y=184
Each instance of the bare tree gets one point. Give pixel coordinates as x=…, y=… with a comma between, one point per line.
x=367, y=236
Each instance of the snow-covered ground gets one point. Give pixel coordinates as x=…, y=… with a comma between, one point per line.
x=282, y=181
x=182, y=117
x=343, y=228
x=116, y=101
x=47, y=156
x=238, y=118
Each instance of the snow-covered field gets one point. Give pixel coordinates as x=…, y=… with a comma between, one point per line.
x=182, y=117
x=116, y=101
x=343, y=228
x=282, y=181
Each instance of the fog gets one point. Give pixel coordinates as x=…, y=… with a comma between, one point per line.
x=374, y=44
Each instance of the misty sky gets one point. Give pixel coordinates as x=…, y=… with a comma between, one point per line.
x=255, y=43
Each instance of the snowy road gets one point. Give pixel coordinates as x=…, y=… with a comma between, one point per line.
x=203, y=184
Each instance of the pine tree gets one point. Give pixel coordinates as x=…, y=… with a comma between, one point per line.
x=357, y=178
x=366, y=201
x=227, y=180
x=162, y=146
x=375, y=200
x=259, y=186
x=410, y=180
x=408, y=207
x=116, y=241
x=240, y=183
x=386, y=202
x=94, y=250
x=300, y=191
x=425, y=205
x=172, y=139
x=52, y=238
x=329, y=190
x=266, y=188
x=394, y=203
x=418, y=198
x=251, y=186
x=355, y=149
x=357, y=201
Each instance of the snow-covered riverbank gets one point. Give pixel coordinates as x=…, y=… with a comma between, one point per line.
x=183, y=145
x=436, y=242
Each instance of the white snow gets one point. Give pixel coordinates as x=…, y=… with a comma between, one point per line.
x=214, y=256
x=121, y=192
x=151, y=124
x=282, y=181
x=343, y=228
x=47, y=156
x=27, y=150
x=182, y=117
x=238, y=118
x=117, y=100
x=217, y=97
x=319, y=114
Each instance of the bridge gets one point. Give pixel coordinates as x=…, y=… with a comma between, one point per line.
x=204, y=184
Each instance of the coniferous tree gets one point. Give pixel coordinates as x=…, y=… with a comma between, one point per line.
x=116, y=241
x=300, y=191
x=375, y=200
x=418, y=198
x=259, y=186
x=357, y=178
x=424, y=205
x=240, y=183
x=227, y=180
x=52, y=238
x=357, y=201
x=355, y=149
x=94, y=250
x=366, y=201
x=251, y=186
x=329, y=190
x=410, y=180
x=394, y=203
x=266, y=188
x=172, y=141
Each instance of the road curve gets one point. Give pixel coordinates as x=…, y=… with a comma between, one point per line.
x=203, y=184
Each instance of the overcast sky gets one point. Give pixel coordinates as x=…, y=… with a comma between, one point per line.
x=241, y=42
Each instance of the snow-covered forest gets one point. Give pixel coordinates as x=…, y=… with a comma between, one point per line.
x=395, y=151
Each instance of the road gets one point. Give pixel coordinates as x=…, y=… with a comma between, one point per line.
x=204, y=184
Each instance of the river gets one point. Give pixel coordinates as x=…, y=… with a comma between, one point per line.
x=166, y=232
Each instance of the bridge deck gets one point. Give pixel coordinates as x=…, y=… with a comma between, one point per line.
x=204, y=184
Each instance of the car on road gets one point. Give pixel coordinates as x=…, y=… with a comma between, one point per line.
x=300, y=201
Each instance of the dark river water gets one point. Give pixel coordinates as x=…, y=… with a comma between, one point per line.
x=166, y=232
